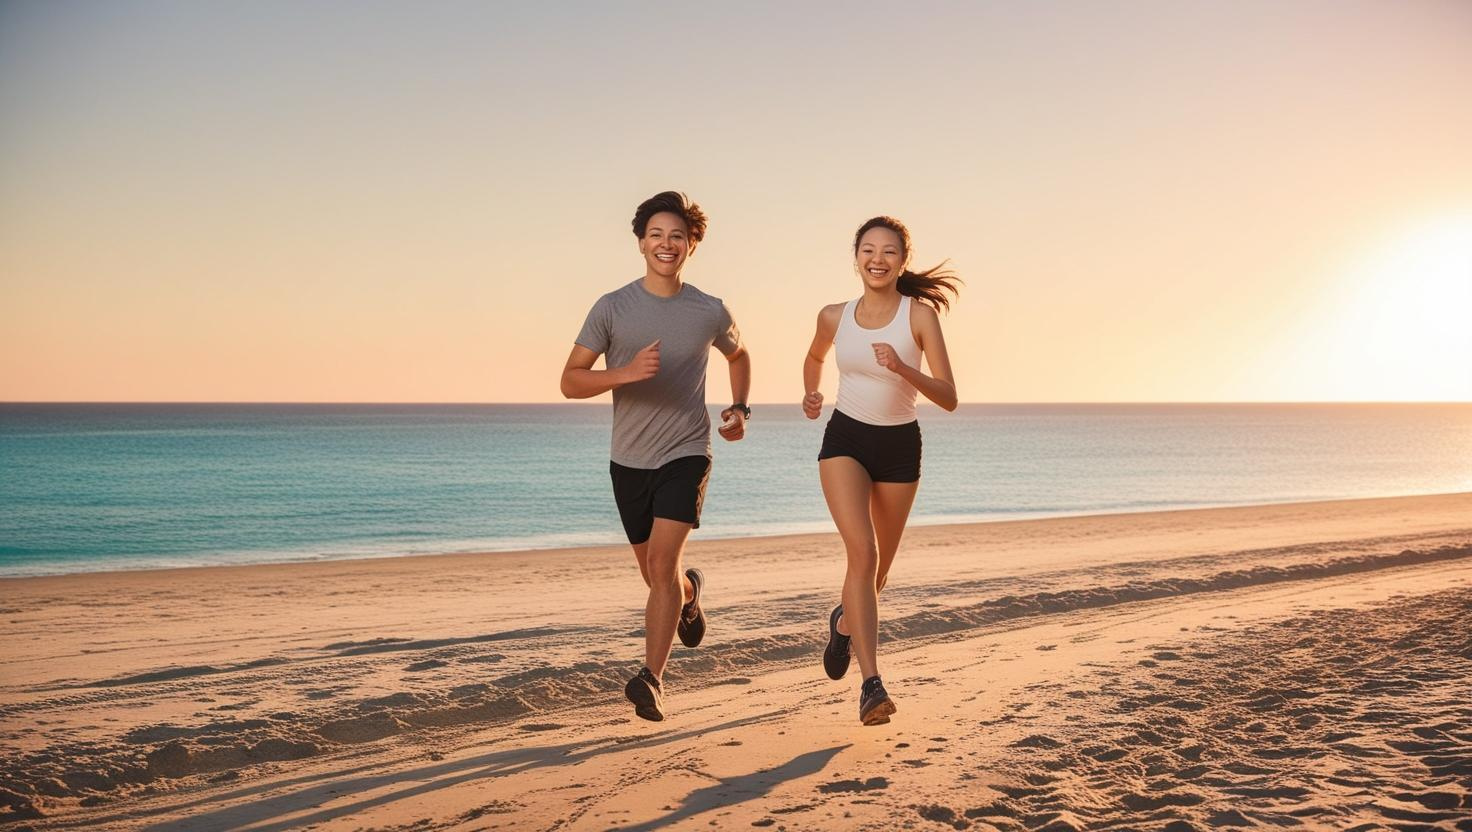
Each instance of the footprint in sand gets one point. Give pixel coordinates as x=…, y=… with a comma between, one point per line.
x=840, y=786
x=943, y=814
x=996, y=809
x=791, y=810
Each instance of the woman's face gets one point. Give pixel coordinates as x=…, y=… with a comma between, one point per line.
x=879, y=259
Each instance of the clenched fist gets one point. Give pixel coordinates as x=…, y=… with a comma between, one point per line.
x=733, y=424
x=886, y=357
x=644, y=365
x=812, y=405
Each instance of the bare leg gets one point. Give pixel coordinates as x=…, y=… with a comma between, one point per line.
x=889, y=509
x=846, y=487
x=669, y=589
x=889, y=506
x=641, y=554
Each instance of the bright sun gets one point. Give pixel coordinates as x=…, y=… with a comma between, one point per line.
x=1397, y=326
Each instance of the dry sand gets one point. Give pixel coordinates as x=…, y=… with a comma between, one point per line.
x=1305, y=665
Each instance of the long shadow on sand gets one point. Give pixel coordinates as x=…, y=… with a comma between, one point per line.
x=432, y=778
x=733, y=790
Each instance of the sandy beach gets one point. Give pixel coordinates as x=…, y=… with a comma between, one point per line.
x=1300, y=665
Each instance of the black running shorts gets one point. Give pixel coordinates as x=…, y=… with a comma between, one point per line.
x=890, y=453
x=674, y=491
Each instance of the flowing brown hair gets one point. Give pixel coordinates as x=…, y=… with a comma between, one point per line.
x=930, y=285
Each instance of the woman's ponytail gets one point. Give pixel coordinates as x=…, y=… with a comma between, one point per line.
x=930, y=286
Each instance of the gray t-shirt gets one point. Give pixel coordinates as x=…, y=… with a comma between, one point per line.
x=660, y=418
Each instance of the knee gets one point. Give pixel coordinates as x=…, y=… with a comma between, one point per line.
x=663, y=568
x=864, y=562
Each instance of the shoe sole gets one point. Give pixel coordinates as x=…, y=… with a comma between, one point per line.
x=879, y=714
x=645, y=705
x=683, y=628
x=833, y=636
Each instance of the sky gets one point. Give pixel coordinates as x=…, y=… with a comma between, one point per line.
x=418, y=202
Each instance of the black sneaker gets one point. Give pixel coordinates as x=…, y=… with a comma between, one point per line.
x=692, y=619
x=837, y=654
x=643, y=690
x=874, y=703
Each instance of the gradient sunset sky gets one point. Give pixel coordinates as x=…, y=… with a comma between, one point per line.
x=418, y=202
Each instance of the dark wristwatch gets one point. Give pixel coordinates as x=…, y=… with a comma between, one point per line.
x=745, y=411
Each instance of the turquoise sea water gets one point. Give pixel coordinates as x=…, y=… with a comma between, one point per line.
x=109, y=486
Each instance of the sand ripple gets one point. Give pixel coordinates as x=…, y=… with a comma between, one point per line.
x=1343, y=719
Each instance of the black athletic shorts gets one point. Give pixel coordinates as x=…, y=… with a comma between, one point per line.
x=890, y=453
x=674, y=491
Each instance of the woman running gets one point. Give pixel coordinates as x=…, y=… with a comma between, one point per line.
x=870, y=461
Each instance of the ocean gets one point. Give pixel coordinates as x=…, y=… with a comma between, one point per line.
x=87, y=487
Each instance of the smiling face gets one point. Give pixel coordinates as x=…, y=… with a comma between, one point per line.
x=665, y=244
x=880, y=258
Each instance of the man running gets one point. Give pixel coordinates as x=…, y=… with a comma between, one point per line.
x=655, y=335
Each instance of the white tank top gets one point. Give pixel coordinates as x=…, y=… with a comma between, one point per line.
x=867, y=391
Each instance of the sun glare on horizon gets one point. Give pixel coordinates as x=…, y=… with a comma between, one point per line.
x=1394, y=326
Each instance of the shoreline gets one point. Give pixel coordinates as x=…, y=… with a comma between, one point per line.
x=915, y=524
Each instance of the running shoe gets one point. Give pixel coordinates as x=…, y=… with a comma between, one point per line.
x=643, y=690
x=837, y=654
x=692, y=618
x=874, y=703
